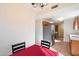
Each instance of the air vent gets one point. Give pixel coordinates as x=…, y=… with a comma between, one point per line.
x=55, y=6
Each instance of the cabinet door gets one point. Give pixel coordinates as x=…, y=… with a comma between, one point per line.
x=76, y=23
x=75, y=47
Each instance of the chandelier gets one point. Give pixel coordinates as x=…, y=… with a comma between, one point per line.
x=39, y=4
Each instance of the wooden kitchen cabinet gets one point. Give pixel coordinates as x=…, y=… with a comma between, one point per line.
x=76, y=23
x=74, y=47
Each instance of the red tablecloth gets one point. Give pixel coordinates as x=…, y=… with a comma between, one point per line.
x=35, y=50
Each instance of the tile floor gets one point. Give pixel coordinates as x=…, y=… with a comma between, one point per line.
x=62, y=47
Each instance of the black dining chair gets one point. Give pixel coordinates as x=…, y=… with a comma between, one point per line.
x=45, y=44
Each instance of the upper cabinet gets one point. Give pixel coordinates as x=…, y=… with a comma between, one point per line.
x=76, y=23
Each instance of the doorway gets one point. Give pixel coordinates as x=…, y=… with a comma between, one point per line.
x=59, y=31
x=47, y=32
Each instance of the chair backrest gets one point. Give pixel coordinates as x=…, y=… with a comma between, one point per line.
x=18, y=47
x=45, y=44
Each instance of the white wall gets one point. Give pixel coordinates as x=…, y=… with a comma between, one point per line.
x=17, y=24
x=38, y=32
x=68, y=29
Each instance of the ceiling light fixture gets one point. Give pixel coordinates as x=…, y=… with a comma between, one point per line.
x=60, y=19
x=39, y=4
x=43, y=5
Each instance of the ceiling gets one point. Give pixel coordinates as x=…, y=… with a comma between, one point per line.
x=64, y=11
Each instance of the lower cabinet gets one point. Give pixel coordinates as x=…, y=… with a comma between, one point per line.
x=74, y=47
